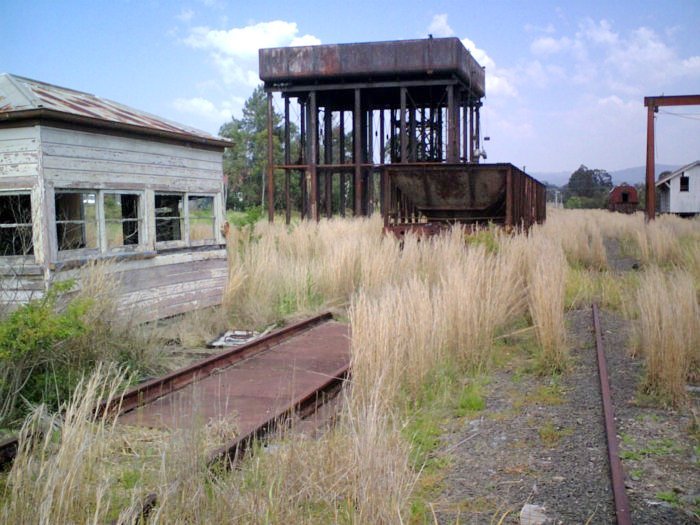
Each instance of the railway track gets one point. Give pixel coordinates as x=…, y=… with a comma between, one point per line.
x=622, y=505
x=290, y=371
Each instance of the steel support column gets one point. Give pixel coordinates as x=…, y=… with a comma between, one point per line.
x=270, y=164
x=328, y=159
x=287, y=161
x=357, y=143
x=302, y=160
x=313, y=156
x=402, y=124
x=341, y=160
x=650, y=176
x=452, y=147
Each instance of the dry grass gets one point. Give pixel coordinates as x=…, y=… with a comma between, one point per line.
x=415, y=310
x=547, y=271
x=59, y=473
x=668, y=331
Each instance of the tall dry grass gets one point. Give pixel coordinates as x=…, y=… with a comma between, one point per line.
x=60, y=473
x=414, y=308
x=668, y=332
x=547, y=275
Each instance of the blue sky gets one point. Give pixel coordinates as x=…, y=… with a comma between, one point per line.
x=565, y=80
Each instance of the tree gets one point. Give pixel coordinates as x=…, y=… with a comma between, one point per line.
x=590, y=187
x=245, y=162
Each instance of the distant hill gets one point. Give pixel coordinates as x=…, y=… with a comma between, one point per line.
x=628, y=175
x=638, y=174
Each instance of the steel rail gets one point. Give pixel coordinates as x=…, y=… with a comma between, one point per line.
x=233, y=452
x=622, y=506
x=151, y=390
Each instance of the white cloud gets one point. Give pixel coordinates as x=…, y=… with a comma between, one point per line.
x=498, y=81
x=207, y=110
x=439, y=27
x=306, y=40
x=185, y=15
x=234, y=51
x=549, y=46
x=631, y=63
x=244, y=42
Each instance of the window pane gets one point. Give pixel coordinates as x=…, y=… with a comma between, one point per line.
x=15, y=209
x=15, y=225
x=685, y=183
x=121, y=219
x=201, y=210
x=168, y=217
x=76, y=221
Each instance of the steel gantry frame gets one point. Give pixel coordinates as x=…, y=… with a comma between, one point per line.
x=653, y=104
x=423, y=95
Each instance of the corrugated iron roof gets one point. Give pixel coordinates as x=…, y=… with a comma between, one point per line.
x=19, y=94
x=679, y=171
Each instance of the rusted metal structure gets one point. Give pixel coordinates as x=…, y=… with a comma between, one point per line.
x=653, y=104
x=411, y=144
x=623, y=199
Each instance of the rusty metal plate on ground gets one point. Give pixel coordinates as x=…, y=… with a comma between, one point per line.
x=251, y=391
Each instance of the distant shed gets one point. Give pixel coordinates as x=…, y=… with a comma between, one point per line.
x=679, y=191
x=623, y=199
x=85, y=178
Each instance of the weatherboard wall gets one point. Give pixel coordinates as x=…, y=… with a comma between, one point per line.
x=156, y=281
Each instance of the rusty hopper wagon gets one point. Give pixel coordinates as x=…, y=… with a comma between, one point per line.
x=389, y=125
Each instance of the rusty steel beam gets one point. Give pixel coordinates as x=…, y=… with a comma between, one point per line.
x=672, y=100
x=622, y=505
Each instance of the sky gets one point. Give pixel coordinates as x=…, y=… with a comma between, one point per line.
x=565, y=80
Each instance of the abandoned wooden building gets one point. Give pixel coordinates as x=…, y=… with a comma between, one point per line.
x=85, y=178
x=623, y=199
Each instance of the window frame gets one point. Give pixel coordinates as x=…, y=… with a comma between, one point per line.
x=101, y=222
x=202, y=242
x=685, y=188
x=185, y=241
x=140, y=222
x=72, y=253
x=27, y=256
x=174, y=243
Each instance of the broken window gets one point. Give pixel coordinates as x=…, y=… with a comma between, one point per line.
x=169, y=217
x=685, y=183
x=76, y=220
x=201, y=217
x=122, y=219
x=16, y=224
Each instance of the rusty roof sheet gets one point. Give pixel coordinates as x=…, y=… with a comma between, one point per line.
x=19, y=94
